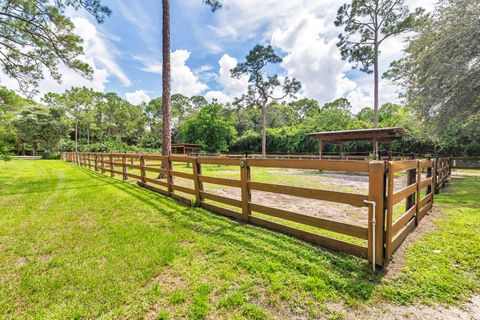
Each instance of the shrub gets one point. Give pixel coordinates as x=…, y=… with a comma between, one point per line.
x=51, y=155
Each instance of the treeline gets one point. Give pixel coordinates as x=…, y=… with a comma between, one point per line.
x=85, y=120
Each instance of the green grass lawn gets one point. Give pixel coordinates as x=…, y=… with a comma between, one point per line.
x=76, y=244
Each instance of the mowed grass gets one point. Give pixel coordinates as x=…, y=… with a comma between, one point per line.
x=76, y=244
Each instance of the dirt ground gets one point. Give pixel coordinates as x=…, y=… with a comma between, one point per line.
x=468, y=311
x=353, y=183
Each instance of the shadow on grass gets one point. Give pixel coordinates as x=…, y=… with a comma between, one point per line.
x=259, y=248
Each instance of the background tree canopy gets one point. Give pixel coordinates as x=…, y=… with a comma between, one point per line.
x=440, y=73
x=36, y=35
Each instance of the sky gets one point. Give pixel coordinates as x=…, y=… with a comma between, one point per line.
x=125, y=51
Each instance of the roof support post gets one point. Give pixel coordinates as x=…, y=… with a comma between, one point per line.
x=320, y=148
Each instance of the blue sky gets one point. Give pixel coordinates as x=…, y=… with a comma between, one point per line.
x=125, y=50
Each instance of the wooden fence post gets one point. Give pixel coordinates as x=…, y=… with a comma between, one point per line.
x=431, y=187
x=376, y=193
x=435, y=176
x=102, y=163
x=411, y=179
x=449, y=161
x=142, y=169
x=124, y=167
x=170, y=181
x=197, y=172
x=112, y=167
x=246, y=192
x=417, y=199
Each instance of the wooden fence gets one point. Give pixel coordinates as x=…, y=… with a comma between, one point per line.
x=417, y=204
x=465, y=162
x=293, y=156
x=387, y=227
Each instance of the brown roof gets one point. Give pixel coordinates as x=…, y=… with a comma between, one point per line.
x=188, y=145
x=376, y=134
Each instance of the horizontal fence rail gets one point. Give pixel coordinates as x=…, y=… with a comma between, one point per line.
x=388, y=223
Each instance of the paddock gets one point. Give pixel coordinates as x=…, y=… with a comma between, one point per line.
x=364, y=208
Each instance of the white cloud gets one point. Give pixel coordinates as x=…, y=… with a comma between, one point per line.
x=137, y=97
x=305, y=31
x=217, y=95
x=232, y=87
x=99, y=50
x=311, y=58
x=184, y=81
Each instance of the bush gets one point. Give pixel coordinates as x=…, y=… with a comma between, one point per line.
x=51, y=155
x=4, y=154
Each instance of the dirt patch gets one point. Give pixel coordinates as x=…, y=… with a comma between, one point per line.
x=45, y=257
x=316, y=208
x=169, y=282
x=331, y=181
x=21, y=261
x=468, y=311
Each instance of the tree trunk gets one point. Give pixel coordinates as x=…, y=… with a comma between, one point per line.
x=76, y=136
x=88, y=133
x=166, y=136
x=166, y=97
x=375, y=87
x=264, y=132
x=375, y=95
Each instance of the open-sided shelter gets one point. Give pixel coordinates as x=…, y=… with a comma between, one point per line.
x=376, y=135
x=185, y=148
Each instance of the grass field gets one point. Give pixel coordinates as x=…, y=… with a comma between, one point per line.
x=75, y=244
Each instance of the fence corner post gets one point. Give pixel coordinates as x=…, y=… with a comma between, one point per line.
x=376, y=193
x=246, y=192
